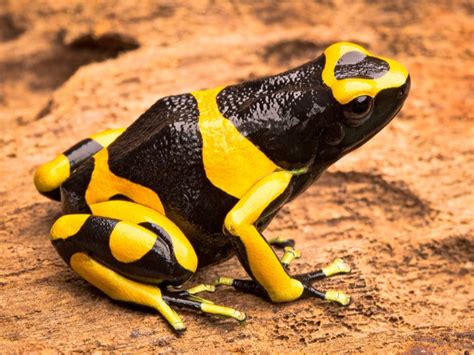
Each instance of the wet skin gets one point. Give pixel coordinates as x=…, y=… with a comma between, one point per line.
x=199, y=176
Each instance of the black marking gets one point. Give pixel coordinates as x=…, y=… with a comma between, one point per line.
x=177, y=299
x=82, y=150
x=283, y=114
x=53, y=194
x=158, y=231
x=357, y=65
x=93, y=238
x=73, y=190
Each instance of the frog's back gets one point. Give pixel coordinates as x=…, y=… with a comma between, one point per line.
x=158, y=162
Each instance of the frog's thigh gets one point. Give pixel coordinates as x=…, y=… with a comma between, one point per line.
x=115, y=256
x=49, y=176
x=150, y=252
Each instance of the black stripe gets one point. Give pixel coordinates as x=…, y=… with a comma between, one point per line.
x=357, y=65
x=73, y=190
x=81, y=151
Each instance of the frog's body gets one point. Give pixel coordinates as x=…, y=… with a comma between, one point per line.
x=199, y=176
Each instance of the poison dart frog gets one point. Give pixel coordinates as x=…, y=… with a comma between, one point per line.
x=198, y=177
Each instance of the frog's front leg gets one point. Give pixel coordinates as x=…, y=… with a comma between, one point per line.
x=270, y=277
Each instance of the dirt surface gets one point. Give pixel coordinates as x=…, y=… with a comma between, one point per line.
x=400, y=209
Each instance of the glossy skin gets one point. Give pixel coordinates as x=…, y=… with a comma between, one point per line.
x=286, y=129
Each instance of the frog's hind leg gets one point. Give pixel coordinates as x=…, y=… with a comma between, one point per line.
x=49, y=176
x=124, y=248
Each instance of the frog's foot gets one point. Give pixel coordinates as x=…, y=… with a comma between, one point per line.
x=337, y=267
x=186, y=300
x=251, y=286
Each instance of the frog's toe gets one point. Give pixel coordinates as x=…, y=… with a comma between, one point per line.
x=203, y=305
x=330, y=295
x=289, y=256
x=338, y=266
x=224, y=281
x=338, y=296
x=201, y=288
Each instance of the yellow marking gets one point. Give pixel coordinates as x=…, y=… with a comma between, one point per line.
x=223, y=311
x=120, y=288
x=227, y=281
x=338, y=266
x=129, y=242
x=135, y=213
x=105, y=138
x=290, y=255
x=337, y=296
x=104, y=184
x=346, y=90
x=263, y=262
x=68, y=225
x=231, y=161
x=51, y=175
x=201, y=288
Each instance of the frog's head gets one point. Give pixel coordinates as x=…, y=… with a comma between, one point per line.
x=367, y=90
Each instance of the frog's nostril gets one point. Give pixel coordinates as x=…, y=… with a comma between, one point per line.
x=405, y=88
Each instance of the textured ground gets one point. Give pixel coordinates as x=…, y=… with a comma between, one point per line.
x=400, y=209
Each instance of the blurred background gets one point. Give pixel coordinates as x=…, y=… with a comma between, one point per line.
x=400, y=209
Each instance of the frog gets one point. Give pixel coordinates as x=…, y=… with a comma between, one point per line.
x=198, y=177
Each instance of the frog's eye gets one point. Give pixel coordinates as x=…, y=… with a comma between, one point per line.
x=358, y=110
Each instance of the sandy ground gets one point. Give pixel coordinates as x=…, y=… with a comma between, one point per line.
x=400, y=209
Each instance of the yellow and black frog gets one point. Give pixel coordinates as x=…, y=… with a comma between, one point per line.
x=198, y=177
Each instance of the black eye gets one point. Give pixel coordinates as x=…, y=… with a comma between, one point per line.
x=358, y=110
